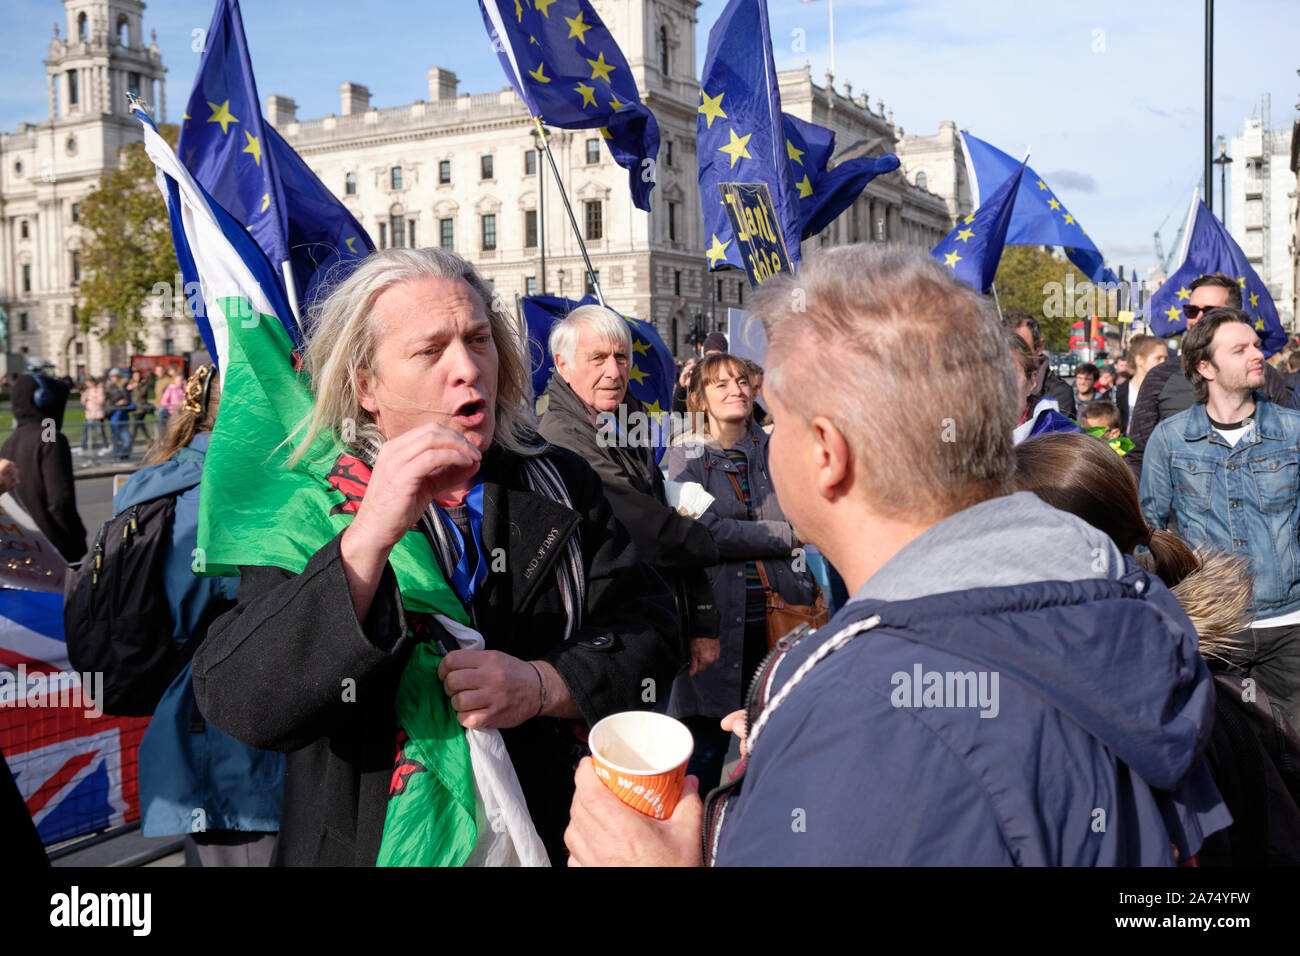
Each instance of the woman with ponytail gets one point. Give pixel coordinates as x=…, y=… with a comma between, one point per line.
x=1253, y=753
x=194, y=778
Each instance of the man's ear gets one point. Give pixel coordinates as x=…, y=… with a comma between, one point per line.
x=561, y=368
x=1206, y=366
x=366, y=391
x=834, y=459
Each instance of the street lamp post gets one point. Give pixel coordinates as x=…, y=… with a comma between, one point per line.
x=541, y=204
x=1223, y=162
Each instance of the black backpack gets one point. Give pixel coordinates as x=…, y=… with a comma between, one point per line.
x=115, y=613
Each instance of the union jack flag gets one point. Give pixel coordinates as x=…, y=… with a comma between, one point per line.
x=76, y=773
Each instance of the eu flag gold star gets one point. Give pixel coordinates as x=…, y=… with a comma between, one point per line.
x=717, y=252
x=711, y=108
x=636, y=375
x=1172, y=314
x=604, y=131
x=1254, y=298
x=1068, y=218
x=965, y=234
x=736, y=147
x=793, y=152
x=654, y=409
x=969, y=219
x=519, y=12
x=600, y=70
x=539, y=74
x=266, y=202
x=1241, y=281
x=1259, y=324
x=348, y=242
x=950, y=259
x=577, y=28
x=616, y=104
x=253, y=147
x=1053, y=204
x=588, y=94
x=221, y=114
x=543, y=7
x=1042, y=185
x=1184, y=293
x=805, y=187
x=641, y=347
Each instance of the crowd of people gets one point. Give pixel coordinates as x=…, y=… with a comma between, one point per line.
x=1068, y=631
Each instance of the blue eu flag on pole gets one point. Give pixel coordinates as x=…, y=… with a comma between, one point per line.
x=1211, y=249
x=566, y=67
x=823, y=193
x=740, y=130
x=248, y=168
x=1040, y=218
x=651, y=371
x=973, y=249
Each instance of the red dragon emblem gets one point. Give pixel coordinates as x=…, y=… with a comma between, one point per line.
x=403, y=767
x=349, y=476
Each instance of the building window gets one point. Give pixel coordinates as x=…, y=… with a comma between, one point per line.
x=22, y=229
x=444, y=171
x=530, y=228
x=663, y=50
x=485, y=167
x=530, y=162
x=76, y=212
x=595, y=223
x=677, y=282
x=530, y=285
x=593, y=151
x=447, y=234
x=410, y=233
x=73, y=97
x=672, y=222
x=133, y=83
x=668, y=152
x=27, y=278
x=740, y=293
x=717, y=292
x=921, y=181
x=22, y=321
x=18, y=167
x=398, y=226
x=395, y=177
x=80, y=348
x=350, y=184
x=592, y=279
x=383, y=235
x=76, y=268
x=169, y=346
x=489, y=233
x=81, y=29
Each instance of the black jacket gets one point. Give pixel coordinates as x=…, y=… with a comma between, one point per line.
x=1121, y=402
x=1053, y=386
x=1166, y=392
x=45, y=483
x=677, y=546
x=270, y=672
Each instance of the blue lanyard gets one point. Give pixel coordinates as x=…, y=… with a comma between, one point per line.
x=462, y=581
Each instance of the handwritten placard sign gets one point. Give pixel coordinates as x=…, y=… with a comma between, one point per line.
x=27, y=559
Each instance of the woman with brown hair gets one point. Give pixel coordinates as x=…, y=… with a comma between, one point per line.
x=194, y=778
x=727, y=453
x=1253, y=753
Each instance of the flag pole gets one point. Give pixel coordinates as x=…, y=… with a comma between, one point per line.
x=291, y=289
x=995, y=298
x=573, y=221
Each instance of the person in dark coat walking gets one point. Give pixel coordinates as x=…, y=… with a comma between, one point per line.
x=410, y=361
x=591, y=412
x=43, y=457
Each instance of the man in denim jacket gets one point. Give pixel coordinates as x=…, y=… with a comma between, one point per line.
x=1225, y=472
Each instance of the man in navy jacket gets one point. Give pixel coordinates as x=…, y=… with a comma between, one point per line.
x=1003, y=688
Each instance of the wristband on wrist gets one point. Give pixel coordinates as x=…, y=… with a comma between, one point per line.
x=541, y=685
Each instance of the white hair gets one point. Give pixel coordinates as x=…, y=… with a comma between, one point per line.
x=605, y=323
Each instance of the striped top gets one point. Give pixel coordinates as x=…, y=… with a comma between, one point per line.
x=755, y=600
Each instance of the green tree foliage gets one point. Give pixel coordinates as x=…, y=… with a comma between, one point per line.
x=128, y=246
x=1031, y=280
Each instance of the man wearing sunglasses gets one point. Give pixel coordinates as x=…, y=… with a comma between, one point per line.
x=1166, y=391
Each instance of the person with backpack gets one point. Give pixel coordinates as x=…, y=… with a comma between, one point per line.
x=195, y=778
x=117, y=402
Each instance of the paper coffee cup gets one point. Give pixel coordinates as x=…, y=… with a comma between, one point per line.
x=641, y=756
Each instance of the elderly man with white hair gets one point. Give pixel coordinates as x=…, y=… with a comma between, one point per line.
x=592, y=348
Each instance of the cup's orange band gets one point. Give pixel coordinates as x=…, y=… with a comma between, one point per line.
x=655, y=795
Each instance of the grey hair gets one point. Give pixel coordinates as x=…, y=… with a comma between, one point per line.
x=605, y=323
x=910, y=364
x=344, y=340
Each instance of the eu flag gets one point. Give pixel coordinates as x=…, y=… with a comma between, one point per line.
x=824, y=194
x=1211, y=249
x=1040, y=218
x=973, y=249
x=247, y=167
x=570, y=73
x=740, y=130
x=652, y=371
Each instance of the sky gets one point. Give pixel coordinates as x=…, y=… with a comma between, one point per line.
x=1108, y=94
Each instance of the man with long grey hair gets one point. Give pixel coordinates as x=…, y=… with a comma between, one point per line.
x=417, y=373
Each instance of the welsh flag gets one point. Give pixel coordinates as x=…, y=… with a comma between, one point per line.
x=256, y=510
